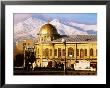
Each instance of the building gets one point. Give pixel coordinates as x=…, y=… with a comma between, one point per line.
x=52, y=48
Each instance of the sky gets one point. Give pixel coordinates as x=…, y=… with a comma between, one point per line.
x=90, y=18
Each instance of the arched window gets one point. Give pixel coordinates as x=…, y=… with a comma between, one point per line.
x=70, y=51
x=81, y=53
x=46, y=52
x=59, y=52
x=63, y=52
x=85, y=52
x=91, y=52
x=55, y=52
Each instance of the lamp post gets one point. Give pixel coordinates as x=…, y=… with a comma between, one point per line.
x=76, y=53
x=64, y=42
x=24, y=44
x=70, y=60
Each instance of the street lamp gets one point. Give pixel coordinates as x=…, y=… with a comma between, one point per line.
x=24, y=44
x=70, y=60
x=64, y=42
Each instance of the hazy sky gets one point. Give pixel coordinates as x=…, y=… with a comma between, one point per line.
x=90, y=18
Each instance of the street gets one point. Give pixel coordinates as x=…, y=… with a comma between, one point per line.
x=22, y=72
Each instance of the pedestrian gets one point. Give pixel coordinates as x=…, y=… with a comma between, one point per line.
x=33, y=65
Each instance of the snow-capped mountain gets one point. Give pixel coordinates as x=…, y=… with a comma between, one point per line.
x=28, y=28
x=90, y=29
x=31, y=26
x=65, y=29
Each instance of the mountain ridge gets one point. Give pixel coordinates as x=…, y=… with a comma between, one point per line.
x=30, y=27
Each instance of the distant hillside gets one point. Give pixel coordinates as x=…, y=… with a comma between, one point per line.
x=29, y=28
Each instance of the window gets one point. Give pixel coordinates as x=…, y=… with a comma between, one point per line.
x=63, y=52
x=70, y=51
x=55, y=52
x=85, y=52
x=91, y=52
x=81, y=53
x=46, y=52
x=50, y=52
x=77, y=52
x=59, y=52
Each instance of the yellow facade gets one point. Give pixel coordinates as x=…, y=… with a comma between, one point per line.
x=40, y=57
x=55, y=50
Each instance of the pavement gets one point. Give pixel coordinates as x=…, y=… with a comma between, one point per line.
x=72, y=72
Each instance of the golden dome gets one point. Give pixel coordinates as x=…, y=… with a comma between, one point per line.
x=48, y=29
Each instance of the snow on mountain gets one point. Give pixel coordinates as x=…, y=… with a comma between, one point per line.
x=64, y=29
x=28, y=27
x=85, y=27
x=31, y=26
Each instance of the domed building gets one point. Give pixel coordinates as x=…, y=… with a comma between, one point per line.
x=52, y=48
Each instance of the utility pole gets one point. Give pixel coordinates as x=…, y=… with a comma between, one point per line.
x=64, y=42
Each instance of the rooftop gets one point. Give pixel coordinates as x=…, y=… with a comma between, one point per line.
x=76, y=38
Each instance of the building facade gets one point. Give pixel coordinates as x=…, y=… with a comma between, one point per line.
x=52, y=48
